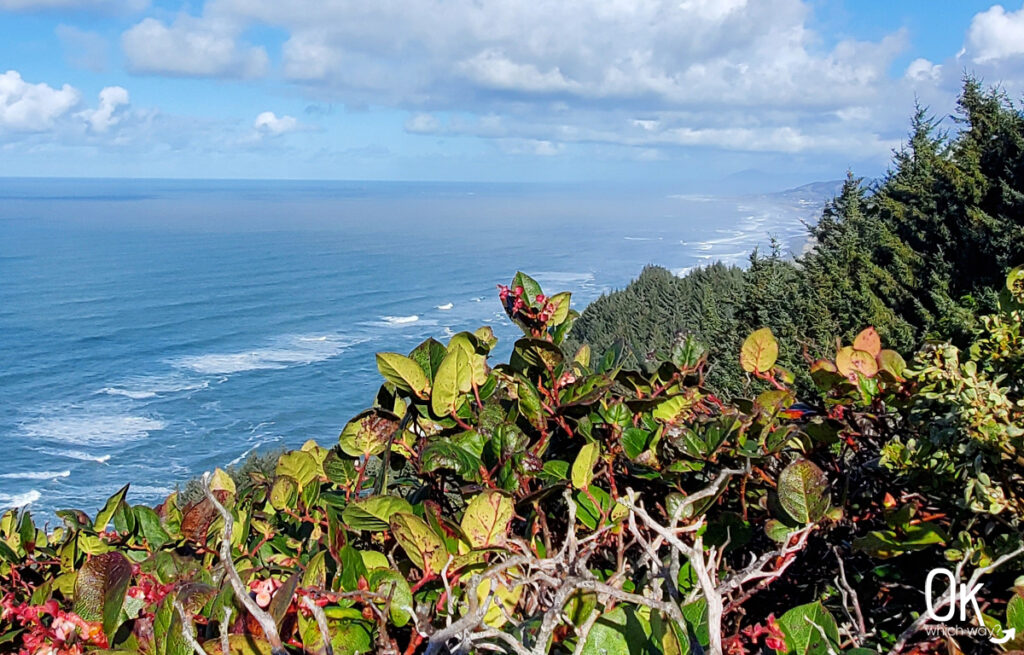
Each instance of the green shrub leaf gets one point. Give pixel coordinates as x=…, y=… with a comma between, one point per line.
x=803, y=491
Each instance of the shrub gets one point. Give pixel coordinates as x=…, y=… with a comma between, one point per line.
x=559, y=503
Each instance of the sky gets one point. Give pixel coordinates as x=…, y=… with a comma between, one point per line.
x=663, y=92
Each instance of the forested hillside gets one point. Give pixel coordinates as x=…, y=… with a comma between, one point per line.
x=916, y=254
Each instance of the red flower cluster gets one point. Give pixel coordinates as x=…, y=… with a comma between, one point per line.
x=517, y=307
x=51, y=630
x=149, y=590
x=774, y=639
x=264, y=590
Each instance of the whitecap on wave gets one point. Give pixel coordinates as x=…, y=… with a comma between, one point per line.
x=8, y=501
x=296, y=350
x=445, y=307
x=143, y=388
x=75, y=454
x=92, y=429
x=35, y=475
x=561, y=279
x=400, y=320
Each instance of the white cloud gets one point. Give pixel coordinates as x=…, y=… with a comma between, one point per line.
x=201, y=47
x=105, y=116
x=492, y=69
x=996, y=34
x=270, y=124
x=760, y=64
x=422, y=124
x=26, y=107
x=923, y=70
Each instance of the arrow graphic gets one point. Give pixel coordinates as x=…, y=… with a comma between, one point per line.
x=1008, y=634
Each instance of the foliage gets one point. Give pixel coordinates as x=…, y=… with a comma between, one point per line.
x=917, y=255
x=568, y=504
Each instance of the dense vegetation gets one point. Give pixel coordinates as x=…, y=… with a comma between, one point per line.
x=563, y=504
x=916, y=256
x=569, y=501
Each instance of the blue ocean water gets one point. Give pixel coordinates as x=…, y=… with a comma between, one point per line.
x=150, y=330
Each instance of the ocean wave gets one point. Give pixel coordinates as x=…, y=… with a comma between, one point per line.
x=153, y=491
x=8, y=501
x=643, y=238
x=288, y=351
x=93, y=429
x=151, y=387
x=80, y=455
x=563, y=278
x=400, y=320
x=445, y=307
x=35, y=475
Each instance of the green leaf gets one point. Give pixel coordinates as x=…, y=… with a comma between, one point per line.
x=422, y=545
x=338, y=469
x=152, y=530
x=583, y=467
x=1015, y=614
x=387, y=581
x=100, y=589
x=634, y=441
x=890, y=543
x=299, y=466
x=403, y=372
x=803, y=491
x=802, y=637
x=315, y=574
x=454, y=377
x=429, y=355
x=448, y=455
x=107, y=513
x=487, y=519
x=368, y=433
x=892, y=362
x=531, y=289
x=352, y=567
x=374, y=513
x=284, y=492
x=759, y=351
x=582, y=356
x=623, y=631
x=561, y=301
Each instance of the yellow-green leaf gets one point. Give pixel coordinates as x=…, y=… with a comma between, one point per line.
x=583, y=467
x=368, y=433
x=403, y=372
x=453, y=378
x=300, y=466
x=759, y=351
x=221, y=481
x=423, y=546
x=487, y=518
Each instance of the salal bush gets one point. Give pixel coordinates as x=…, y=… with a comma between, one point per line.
x=558, y=503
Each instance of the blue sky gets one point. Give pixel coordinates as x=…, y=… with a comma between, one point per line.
x=630, y=91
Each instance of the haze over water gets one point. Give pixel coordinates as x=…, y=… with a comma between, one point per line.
x=150, y=330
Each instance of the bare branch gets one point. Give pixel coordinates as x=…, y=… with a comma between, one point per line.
x=321, y=622
x=265, y=621
x=188, y=629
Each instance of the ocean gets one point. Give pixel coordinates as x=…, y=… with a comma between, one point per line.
x=154, y=329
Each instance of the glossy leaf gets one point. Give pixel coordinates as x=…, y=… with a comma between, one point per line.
x=759, y=351
x=803, y=491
